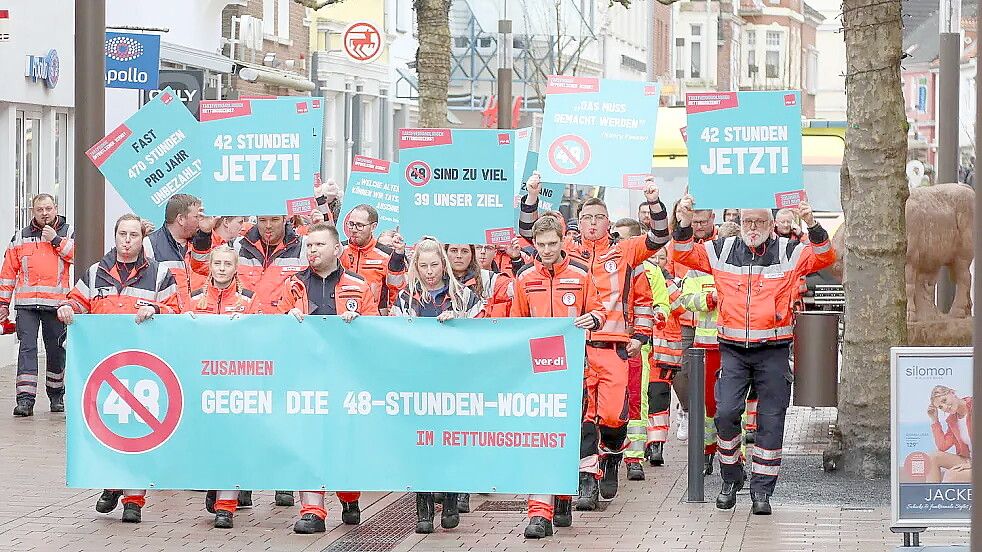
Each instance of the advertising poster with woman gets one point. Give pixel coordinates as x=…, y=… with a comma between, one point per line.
x=932, y=436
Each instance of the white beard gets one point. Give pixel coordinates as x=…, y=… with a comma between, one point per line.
x=761, y=238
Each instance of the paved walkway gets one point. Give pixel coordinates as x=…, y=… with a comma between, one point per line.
x=813, y=510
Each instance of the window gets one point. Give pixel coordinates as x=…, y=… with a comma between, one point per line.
x=751, y=61
x=60, y=185
x=680, y=58
x=695, y=68
x=283, y=19
x=404, y=16
x=27, y=149
x=920, y=101
x=752, y=38
x=772, y=64
x=269, y=17
x=461, y=42
x=811, y=72
x=772, y=59
x=696, y=30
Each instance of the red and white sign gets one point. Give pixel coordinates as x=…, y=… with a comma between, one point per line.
x=103, y=149
x=160, y=428
x=562, y=84
x=4, y=25
x=548, y=353
x=424, y=137
x=300, y=206
x=363, y=163
x=499, y=236
x=362, y=42
x=700, y=102
x=789, y=199
x=418, y=173
x=212, y=110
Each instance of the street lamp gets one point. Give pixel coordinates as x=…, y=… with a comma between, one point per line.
x=504, y=70
x=947, y=159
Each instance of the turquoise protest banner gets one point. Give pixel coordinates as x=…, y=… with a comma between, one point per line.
x=261, y=153
x=155, y=154
x=469, y=405
x=744, y=149
x=461, y=184
x=598, y=132
x=372, y=182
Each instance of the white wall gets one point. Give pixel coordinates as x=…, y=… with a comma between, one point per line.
x=830, y=100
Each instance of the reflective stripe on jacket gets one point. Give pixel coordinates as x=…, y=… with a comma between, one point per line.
x=101, y=289
x=697, y=287
x=266, y=275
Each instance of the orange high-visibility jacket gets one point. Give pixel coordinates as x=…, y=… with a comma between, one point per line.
x=499, y=290
x=351, y=293
x=101, y=290
x=230, y=300
x=266, y=275
x=612, y=266
x=756, y=286
x=380, y=266
x=564, y=290
x=35, y=273
x=666, y=345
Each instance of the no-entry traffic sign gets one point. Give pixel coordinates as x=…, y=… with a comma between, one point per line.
x=569, y=154
x=160, y=428
x=362, y=42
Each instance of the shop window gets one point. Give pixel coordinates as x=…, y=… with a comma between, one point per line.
x=27, y=149
x=60, y=185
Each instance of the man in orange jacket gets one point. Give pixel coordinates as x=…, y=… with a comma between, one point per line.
x=756, y=277
x=383, y=267
x=125, y=281
x=35, y=276
x=611, y=266
x=555, y=285
x=269, y=254
x=325, y=288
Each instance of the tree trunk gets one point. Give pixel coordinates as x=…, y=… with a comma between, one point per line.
x=874, y=190
x=433, y=61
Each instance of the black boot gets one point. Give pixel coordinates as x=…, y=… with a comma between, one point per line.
x=589, y=493
x=464, y=503
x=761, y=503
x=450, y=517
x=210, y=498
x=223, y=519
x=635, y=472
x=131, y=513
x=424, y=513
x=245, y=499
x=108, y=501
x=563, y=516
x=655, y=453
x=707, y=466
x=350, y=513
x=58, y=403
x=609, y=464
x=24, y=408
x=283, y=498
x=309, y=524
x=538, y=528
x=727, y=494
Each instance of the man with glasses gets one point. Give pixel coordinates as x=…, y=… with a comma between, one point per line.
x=611, y=265
x=383, y=267
x=756, y=278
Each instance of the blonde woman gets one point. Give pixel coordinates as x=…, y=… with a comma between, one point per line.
x=223, y=294
x=434, y=292
x=958, y=435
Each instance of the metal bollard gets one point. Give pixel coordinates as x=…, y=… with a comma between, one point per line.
x=696, y=361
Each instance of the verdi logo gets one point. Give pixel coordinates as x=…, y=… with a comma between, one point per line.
x=548, y=354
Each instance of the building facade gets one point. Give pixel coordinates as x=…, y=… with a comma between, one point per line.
x=37, y=116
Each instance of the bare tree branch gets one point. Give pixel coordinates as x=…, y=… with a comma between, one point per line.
x=318, y=4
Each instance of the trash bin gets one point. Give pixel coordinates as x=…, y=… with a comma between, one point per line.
x=816, y=359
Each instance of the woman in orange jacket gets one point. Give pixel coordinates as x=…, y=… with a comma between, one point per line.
x=222, y=294
x=958, y=466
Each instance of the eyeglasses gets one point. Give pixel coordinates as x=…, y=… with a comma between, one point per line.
x=357, y=225
x=593, y=219
x=755, y=223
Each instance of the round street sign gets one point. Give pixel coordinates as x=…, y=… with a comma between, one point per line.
x=362, y=42
x=418, y=173
x=160, y=428
x=569, y=154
